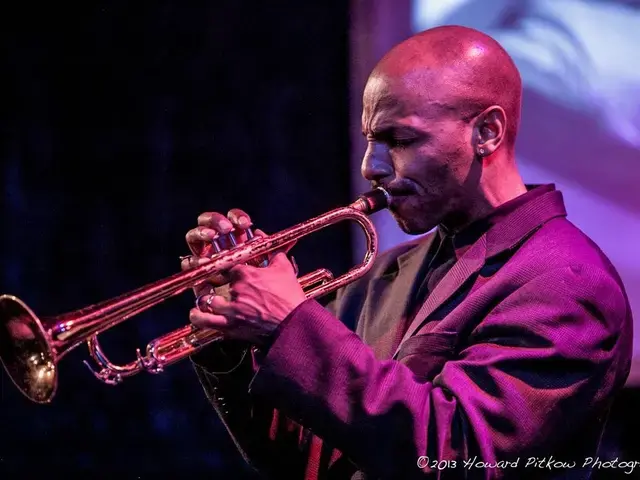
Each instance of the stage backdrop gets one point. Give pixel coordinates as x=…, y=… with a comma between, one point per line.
x=581, y=107
x=120, y=123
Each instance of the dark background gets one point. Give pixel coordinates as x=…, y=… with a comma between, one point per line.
x=121, y=122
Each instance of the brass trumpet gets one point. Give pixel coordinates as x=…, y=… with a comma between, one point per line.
x=31, y=348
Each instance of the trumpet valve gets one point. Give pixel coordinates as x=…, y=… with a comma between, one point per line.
x=105, y=375
x=149, y=362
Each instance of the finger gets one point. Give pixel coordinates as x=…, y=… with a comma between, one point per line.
x=215, y=280
x=239, y=218
x=193, y=261
x=223, y=291
x=262, y=260
x=215, y=221
x=201, y=234
x=207, y=320
x=200, y=240
x=241, y=223
x=215, y=305
x=280, y=260
x=203, y=289
x=239, y=272
x=215, y=285
x=213, y=310
x=294, y=264
x=284, y=250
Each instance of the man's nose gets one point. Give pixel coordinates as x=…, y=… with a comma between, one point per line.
x=376, y=164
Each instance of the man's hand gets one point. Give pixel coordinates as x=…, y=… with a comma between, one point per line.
x=259, y=300
x=247, y=302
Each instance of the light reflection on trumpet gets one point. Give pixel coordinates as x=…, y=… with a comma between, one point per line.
x=31, y=348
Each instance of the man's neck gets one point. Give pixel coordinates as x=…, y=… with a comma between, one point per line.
x=493, y=191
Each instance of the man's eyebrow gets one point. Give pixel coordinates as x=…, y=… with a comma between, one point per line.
x=395, y=128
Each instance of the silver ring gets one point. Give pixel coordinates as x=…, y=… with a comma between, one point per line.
x=207, y=303
x=199, y=304
x=198, y=301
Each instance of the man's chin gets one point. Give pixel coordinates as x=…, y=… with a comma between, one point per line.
x=411, y=226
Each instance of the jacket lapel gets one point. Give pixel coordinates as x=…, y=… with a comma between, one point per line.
x=469, y=264
x=389, y=297
x=506, y=235
x=409, y=266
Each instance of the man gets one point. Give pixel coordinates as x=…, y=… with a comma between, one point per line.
x=501, y=337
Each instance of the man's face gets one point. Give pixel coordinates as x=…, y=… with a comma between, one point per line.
x=418, y=150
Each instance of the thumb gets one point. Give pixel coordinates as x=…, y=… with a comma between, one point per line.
x=280, y=260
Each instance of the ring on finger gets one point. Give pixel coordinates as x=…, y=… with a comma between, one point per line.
x=199, y=304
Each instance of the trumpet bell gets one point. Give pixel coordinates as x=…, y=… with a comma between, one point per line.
x=25, y=351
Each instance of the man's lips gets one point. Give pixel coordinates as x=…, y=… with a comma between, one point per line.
x=398, y=195
x=396, y=192
x=399, y=192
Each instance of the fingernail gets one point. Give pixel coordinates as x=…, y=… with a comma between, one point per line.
x=226, y=225
x=243, y=221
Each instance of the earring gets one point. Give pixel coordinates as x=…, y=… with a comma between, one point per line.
x=481, y=151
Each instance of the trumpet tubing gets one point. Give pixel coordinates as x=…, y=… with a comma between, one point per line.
x=173, y=346
x=32, y=347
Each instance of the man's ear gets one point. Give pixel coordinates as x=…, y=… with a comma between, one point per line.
x=489, y=130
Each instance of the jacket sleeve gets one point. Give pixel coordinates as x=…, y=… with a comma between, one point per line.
x=542, y=363
x=265, y=437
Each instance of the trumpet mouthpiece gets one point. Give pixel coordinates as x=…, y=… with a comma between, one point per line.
x=373, y=201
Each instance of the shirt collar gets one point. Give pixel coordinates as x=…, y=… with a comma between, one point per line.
x=466, y=237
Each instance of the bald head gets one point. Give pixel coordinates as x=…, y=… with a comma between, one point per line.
x=457, y=70
x=441, y=113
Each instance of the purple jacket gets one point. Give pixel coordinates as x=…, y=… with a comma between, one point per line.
x=513, y=358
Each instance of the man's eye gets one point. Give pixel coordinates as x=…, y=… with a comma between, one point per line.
x=401, y=142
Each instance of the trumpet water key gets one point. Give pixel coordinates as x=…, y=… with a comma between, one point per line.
x=32, y=347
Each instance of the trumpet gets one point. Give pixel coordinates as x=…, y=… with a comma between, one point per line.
x=32, y=347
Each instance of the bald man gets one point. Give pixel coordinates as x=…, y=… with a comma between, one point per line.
x=491, y=347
